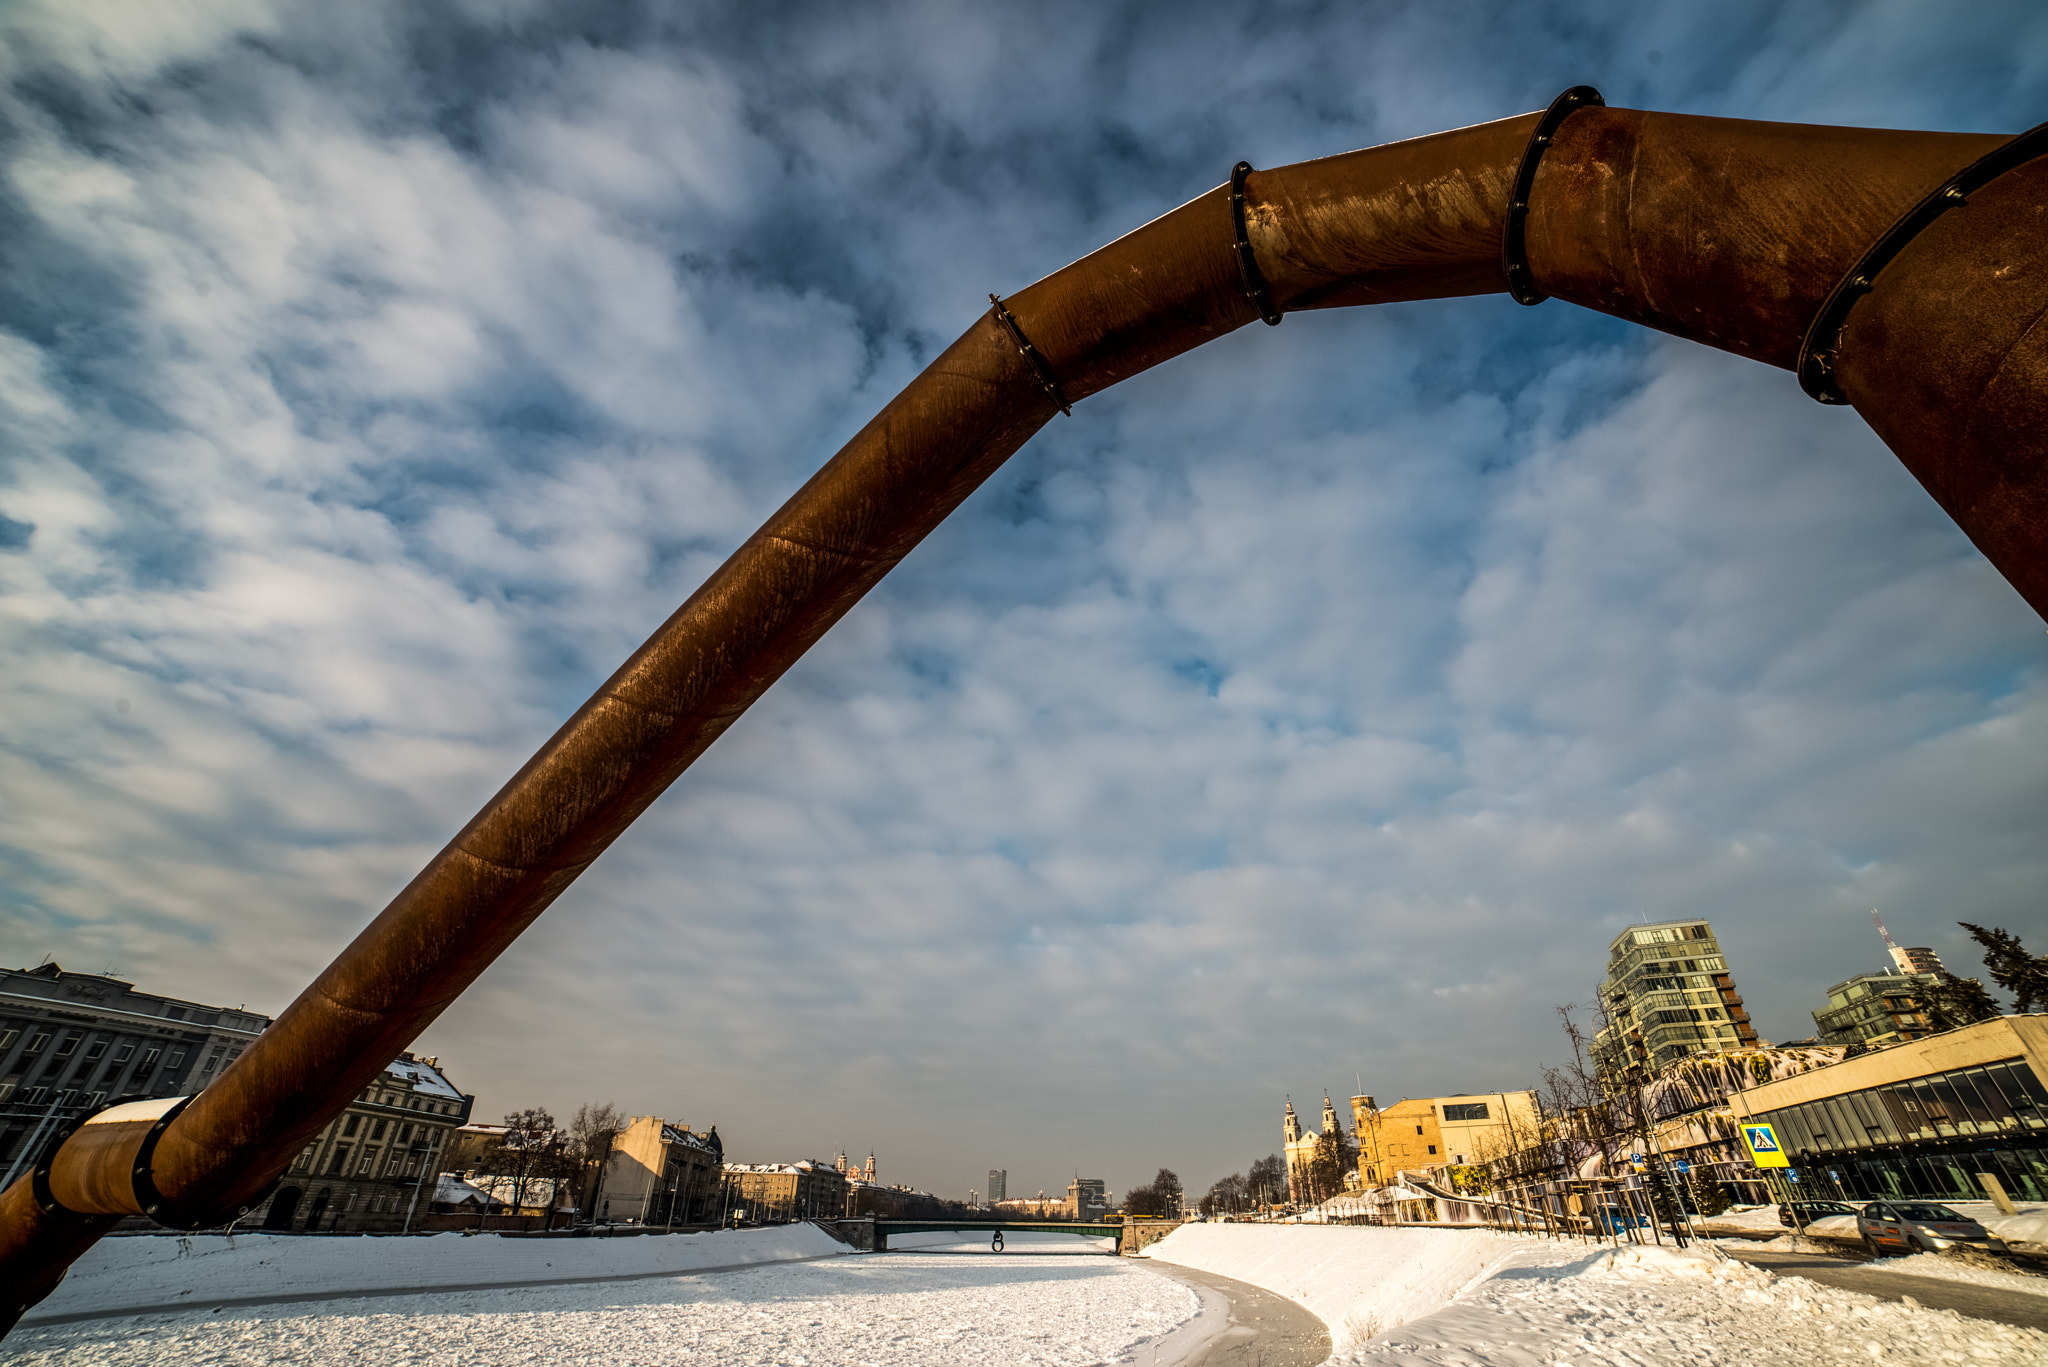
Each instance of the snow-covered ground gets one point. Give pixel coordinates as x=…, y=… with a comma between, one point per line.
x=1649, y=1307
x=1518, y=1302
x=910, y=1309
x=1358, y=1279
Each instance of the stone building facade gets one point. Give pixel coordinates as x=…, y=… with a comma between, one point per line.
x=362, y=1174
x=661, y=1172
x=779, y=1193
x=1441, y=1131
x=71, y=1043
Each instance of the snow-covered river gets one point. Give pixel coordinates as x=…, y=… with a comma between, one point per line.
x=909, y=1308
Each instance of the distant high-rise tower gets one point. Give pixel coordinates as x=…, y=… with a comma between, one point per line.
x=1916, y=960
x=1668, y=993
x=998, y=1184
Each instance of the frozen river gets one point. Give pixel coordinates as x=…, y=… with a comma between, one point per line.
x=908, y=1308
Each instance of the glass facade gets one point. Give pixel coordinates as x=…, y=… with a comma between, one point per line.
x=1925, y=1137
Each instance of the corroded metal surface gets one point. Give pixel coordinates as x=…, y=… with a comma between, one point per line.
x=1947, y=359
x=1724, y=231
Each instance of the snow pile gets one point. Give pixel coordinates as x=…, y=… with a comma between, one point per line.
x=1359, y=1279
x=912, y=1311
x=1743, y=1217
x=1651, y=1307
x=1833, y=1227
x=2026, y=1232
x=1662, y=1262
x=1956, y=1270
x=150, y=1271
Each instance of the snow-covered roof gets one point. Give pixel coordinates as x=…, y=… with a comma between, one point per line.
x=452, y=1190
x=423, y=1077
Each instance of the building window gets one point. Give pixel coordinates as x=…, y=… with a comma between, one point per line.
x=339, y=1163
x=95, y=1099
x=7, y=1038
x=1432, y=1148
x=176, y=1060
x=124, y=1053
x=70, y=1043
x=35, y=1046
x=377, y=1130
x=95, y=1049
x=1465, y=1110
x=348, y=1127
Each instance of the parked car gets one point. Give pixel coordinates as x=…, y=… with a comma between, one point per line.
x=1809, y=1211
x=1915, y=1226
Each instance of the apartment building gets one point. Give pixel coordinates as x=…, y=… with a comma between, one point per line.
x=1668, y=993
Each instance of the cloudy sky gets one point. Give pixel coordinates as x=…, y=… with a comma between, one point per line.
x=1308, y=712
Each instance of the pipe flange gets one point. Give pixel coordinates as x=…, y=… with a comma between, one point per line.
x=1820, y=347
x=1514, y=250
x=161, y=1208
x=1247, y=264
x=1046, y=379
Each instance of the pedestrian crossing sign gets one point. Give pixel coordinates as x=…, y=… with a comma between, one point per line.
x=1764, y=1149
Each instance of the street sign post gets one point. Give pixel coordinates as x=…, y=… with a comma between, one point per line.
x=1764, y=1149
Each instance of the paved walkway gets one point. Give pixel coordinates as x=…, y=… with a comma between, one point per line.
x=1965, y=1298
x=1240, y=1325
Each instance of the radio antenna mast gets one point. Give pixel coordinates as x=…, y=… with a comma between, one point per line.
x=1898, y=955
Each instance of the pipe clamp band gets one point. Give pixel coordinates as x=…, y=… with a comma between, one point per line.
x=1819, y=348
x=1248, y=264
x=1514, y=250
x=1046, y=380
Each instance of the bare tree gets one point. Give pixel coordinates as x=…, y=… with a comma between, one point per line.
x=1266, y=1180
x=592, y=1132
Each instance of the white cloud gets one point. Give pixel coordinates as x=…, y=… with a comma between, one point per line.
x=1311, y=708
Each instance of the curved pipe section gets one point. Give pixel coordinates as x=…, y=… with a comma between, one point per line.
x=1724, y=231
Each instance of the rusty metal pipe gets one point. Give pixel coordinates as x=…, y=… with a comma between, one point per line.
x=1724, y=231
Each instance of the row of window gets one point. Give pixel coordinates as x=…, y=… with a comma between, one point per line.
x=69, y=1064
x=1990, y=1100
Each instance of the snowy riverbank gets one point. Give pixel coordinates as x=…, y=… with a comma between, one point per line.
x=1417, y=1296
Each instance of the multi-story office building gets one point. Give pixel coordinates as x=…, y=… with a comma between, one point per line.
x=71, y=1043
x=1872, y=1010
x=998, y=1184
x=363, y=1173
x=1668, y=993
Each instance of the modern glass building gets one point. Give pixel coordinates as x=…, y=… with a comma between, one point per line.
x=1668, y=993
x=1873, y=1009
x=1922, y=1118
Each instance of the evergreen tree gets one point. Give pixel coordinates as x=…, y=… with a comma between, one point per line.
x=2012, y=968
x=1707, y=1194
x=1955, y=1002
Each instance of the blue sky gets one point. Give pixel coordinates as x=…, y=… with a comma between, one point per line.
x=1311, y=710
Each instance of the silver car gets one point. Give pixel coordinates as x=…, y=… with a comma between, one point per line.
x=1917, y=1226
